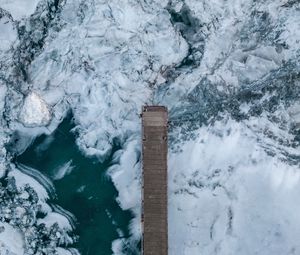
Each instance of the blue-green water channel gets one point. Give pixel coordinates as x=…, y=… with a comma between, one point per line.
x=86, y=191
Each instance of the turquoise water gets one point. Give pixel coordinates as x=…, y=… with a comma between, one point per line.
x=86, y=191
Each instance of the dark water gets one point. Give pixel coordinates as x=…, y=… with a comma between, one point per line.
x=86, y=191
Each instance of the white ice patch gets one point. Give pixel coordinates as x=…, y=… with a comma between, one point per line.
x=22, y=179
x=126, y=176
x=231, y=196
x=53, y=217
x=3, y=90
x=19, y=8
x=62, y=251
x=254, y=67
x=11, y=240
x=294, y=112
x=35, y=111
x=117, y=246
x=44, y=188
x=63, y=170
x=126, y=171
x=8, y=34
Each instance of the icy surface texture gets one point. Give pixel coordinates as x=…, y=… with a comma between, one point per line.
x=228, y=72
x=18, y=8
x=29, y=225
x=234, y=179
x=11, y=241
x=34, y=111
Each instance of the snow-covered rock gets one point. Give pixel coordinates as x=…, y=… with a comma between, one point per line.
x=35, y=111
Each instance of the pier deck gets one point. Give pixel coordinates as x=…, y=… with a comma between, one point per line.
x=155, y=189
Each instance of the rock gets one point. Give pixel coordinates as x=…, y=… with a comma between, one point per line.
x=35, y=111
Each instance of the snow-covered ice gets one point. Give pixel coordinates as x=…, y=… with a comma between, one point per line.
x=230, y=196
x=227, y=70
x=11, y=240
x=19, y=8
x=7, y=34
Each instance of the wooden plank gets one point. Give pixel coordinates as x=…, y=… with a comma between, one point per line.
x=155, y=200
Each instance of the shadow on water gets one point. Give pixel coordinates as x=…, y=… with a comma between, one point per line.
x=81, y=187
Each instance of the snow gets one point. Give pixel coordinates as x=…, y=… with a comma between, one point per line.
x=7, y=34
x=19, y=8
x=35, y=111
x=54, y=217
x=11, y=240
x=126, y=176
x=54, y=221
x=23, y=179
x=125, y=172
x=233, y=185
x=231, y=196
x=45, y=190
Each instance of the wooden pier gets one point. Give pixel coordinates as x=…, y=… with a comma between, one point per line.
x=155, y=189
